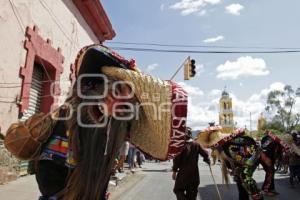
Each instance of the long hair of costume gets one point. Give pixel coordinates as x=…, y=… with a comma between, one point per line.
x=93, y=151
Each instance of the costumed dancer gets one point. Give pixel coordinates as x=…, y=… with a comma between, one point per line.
x=238, y=153
x=288, y=143
x=293, y=141
x=185, y=169
x=75, y=147
x=271, y=151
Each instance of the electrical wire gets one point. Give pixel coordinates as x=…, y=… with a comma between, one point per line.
x=15, y=86
x=202, y=46
x=22, y=26
x=23, y=29
x=7, y=101
x=15, y=83
x=18, y=17
x=56, y=21
x=203, y=51
x=49, y=95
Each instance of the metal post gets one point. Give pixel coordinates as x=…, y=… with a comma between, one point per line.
x=188, y=58
x=250, y=123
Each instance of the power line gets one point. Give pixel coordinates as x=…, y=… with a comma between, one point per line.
x=56, y=21
x=202, y=46
x=45, y=81
x=22, y=26
x=3, y=97
x=203, y=51
x=7, y=101
x=14, y=86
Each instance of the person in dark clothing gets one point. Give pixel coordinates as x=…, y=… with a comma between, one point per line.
x=294, y=160
x=185, y=170
x=271, y=150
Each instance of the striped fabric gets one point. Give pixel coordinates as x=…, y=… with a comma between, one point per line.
x=58, y=148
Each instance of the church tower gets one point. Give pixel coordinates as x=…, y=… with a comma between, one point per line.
x=226, y=113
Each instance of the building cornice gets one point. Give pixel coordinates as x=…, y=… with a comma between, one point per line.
x=95, y=16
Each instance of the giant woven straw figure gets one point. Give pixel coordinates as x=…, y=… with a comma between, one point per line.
x=76, y=145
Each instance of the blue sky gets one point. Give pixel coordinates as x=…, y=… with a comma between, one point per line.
x=242, y=23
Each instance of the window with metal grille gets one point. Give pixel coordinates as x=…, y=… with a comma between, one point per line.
x=36, y=89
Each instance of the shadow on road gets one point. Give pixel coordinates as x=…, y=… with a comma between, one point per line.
x=230, y=192
x=208, y=192
x=158, y=170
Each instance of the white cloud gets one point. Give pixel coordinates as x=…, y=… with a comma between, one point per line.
x=199, y=69
x=191, y=90
x=188, y=7
x=242, y=110
x=202, y=13
x=262, y=96
x=151, y=67
x=162, y=7
x=214, y=39
x=199, y=115
x=297, y=105
x=201, y=112
x=242, y=67
x=273, y=86
x=234, y=9
x=215, y=92
x=255, y=104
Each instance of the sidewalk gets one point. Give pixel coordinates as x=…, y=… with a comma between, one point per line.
x=114, y=180
x=24, y=188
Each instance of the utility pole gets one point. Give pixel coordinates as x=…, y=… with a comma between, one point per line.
x=250, y=123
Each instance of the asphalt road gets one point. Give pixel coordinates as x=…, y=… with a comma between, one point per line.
x=154, y=182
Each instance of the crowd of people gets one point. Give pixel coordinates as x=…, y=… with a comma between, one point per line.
x=292, y=160
x=130, y=155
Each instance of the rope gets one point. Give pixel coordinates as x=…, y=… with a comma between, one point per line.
x=107, y=135
x=213, y=178
x=48, y=114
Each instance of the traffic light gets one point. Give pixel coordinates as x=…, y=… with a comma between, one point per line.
x=189, y=68
x=192, y=68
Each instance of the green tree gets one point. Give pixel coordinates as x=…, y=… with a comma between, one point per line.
x=281, y=104
x=297, y=127
x=275, y=125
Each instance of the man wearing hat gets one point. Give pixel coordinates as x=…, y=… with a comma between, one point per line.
x=185, y=169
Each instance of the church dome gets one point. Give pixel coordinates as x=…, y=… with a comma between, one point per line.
x=224, y=93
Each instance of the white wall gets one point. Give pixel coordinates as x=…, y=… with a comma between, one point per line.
x=58, y=20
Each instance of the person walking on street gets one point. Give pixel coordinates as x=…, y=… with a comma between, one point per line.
x=131, y=157
x=123, y=154
x=185, y=169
